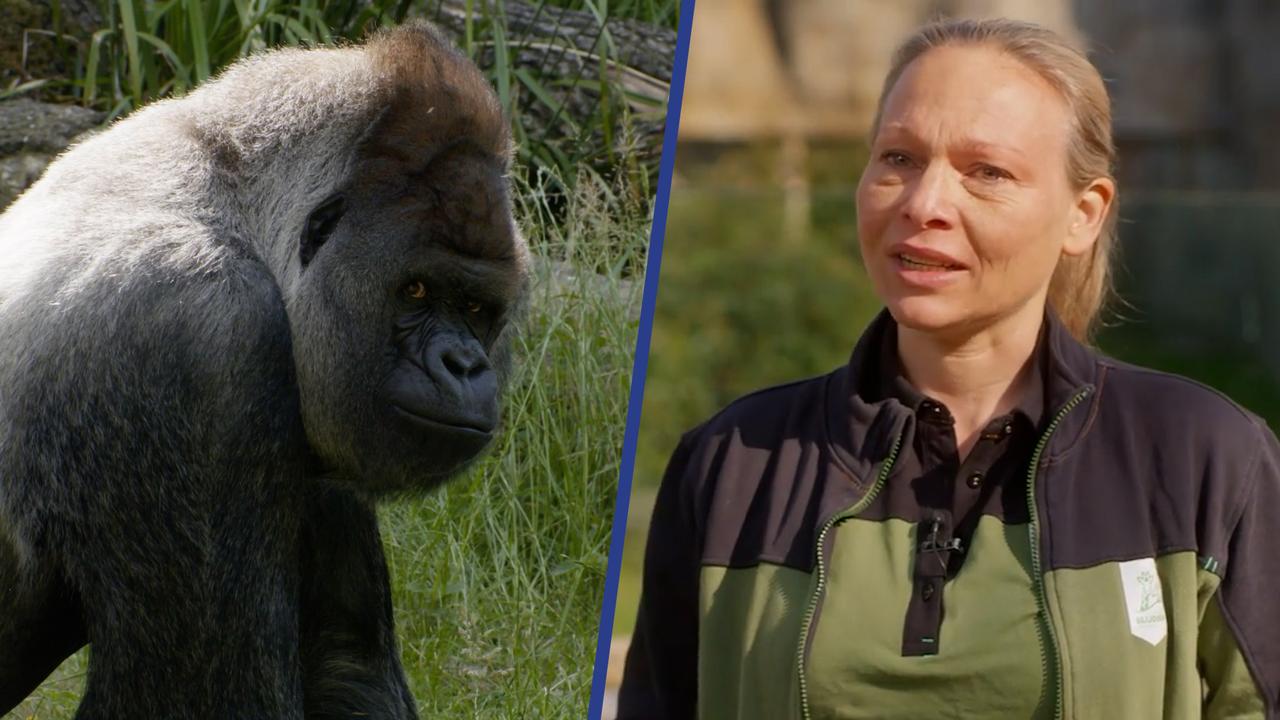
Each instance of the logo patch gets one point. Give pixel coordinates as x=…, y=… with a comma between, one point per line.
x=1144, y=599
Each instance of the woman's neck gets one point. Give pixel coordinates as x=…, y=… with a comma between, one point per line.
x=978, y=377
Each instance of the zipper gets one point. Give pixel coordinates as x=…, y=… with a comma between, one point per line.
x=820, y=571
x=1048, y=654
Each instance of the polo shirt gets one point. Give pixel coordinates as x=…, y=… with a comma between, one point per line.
x=930, y=609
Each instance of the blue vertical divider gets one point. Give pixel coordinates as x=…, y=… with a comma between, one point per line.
x=641, y=362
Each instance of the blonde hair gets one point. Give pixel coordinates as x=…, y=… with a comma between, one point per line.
x=1081, y=285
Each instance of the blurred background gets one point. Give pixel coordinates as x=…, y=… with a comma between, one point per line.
x=498, y=578
x=761, y=280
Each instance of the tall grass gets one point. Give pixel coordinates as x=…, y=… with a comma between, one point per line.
x=150, y=49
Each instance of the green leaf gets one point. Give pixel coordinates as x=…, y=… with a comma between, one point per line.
x=182, y=74
x=91, y=68
x=302, y=32
x=24, y=87
x=502, y=66
x=154, y=13
x=199, y=39
x=129, y=26
x=540, y=92
x=320, y=25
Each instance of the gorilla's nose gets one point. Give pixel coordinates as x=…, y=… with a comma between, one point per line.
x=464, y=362
x=465, y=384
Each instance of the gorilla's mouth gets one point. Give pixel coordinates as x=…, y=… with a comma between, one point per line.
x=474, y=429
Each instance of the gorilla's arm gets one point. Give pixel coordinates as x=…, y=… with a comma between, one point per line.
x=158, y=461
x=41, y=627
x=351, y=665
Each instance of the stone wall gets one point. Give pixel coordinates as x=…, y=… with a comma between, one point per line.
x=31, y=135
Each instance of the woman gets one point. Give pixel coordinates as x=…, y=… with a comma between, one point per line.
x=978, y=516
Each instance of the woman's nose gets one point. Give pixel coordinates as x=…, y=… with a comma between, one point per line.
x=928, y=204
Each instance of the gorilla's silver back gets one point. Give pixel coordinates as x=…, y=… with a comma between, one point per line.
x=179, y=187
x=151, y=181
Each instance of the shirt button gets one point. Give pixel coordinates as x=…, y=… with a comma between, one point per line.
x=974, y=481
x=935, y=412
x=926, y=593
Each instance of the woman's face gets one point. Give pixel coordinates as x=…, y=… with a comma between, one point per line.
x=965, y=206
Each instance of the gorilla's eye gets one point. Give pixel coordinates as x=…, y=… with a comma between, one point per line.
x=474, y=307
x=320, y=225
x=415, y=290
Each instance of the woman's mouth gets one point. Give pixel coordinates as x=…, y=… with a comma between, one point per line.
x=920, y=264
x=929, y=274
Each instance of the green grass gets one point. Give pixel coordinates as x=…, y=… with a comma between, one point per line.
x=498, y=578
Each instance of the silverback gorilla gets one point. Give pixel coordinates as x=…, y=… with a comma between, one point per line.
x=228, y=325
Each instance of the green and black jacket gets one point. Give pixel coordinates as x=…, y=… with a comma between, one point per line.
x=1133, y=467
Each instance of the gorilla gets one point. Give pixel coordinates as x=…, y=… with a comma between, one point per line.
x=229, y=325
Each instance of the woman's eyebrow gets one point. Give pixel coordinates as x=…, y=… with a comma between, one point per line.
x=899, y=132
x=983, y=147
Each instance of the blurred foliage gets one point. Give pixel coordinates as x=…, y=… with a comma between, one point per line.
x=741, y=307
x=829, y=164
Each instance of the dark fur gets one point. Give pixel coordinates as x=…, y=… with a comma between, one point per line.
x=194, y=422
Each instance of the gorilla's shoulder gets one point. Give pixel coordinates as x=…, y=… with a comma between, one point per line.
x=791, y=408
x=1175, y=409
x=222, y=318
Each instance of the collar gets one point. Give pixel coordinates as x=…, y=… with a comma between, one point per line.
x=891, y=379
x=863, y=421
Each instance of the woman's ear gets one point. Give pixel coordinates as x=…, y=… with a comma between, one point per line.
x=1088, y=215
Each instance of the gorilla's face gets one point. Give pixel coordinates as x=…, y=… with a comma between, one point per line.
x=409, y=280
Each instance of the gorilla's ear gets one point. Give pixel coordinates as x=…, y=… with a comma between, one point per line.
x=319, y=226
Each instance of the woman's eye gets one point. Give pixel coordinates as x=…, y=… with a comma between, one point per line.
x=416, y=290
x=895, y=159
x=992, y=174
